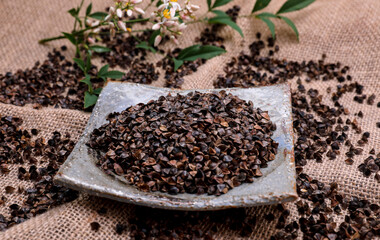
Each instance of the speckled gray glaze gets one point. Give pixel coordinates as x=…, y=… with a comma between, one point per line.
x=278, y=183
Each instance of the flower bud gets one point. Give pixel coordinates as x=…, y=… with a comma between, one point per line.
x=185, y=17
x=194, y=7
x=95, y=23
x=174, y=39
x=90, y=40
x=139, y=10
x=119, y=13
x=96, y=30
x=107, y=17
x=136, y=1
x=182, y=26
x=169, y=23
x=157, y=40
x=129, y=12
x=112, y=10
x=156, y=26
x=113, y=32
x=88, y=22
x=122, y=25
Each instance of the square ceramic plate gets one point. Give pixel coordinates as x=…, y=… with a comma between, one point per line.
x=278, y=183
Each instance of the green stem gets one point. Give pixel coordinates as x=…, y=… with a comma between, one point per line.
x=45, y=40
x=196, y=21
x=144, y=30
x=245, y=16
x=150, y=4
x=135, y=37
x=200, y=19
x=137, y=20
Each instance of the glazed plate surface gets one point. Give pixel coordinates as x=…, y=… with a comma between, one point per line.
x=277, y=185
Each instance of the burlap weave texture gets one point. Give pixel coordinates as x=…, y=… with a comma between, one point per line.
x=347, y=31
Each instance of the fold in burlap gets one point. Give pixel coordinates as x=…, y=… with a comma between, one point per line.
x=347, y=31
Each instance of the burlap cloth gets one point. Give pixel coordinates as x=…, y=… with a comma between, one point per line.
x=347, y=31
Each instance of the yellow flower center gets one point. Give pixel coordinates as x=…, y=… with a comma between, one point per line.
x=173, y=0
x=166, y=13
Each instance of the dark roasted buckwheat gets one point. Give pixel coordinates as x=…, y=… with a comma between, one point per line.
x=198, y=143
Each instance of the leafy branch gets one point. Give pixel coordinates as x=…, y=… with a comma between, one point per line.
x=84, y=50
x=86, y=29
x=289, y=6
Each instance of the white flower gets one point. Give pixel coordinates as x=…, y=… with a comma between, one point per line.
x=172, y=12
x=168, y=3
x=157, y=40
x=162, y=6
x=129, y=12
x=122, y=25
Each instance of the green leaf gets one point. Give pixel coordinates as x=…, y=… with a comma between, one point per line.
x=220, y=13
x=80, y=63
x=260, y=4
x=145, y=45
x=87, y=80
x=99, y=49
x=88, y=62
x=209, y=4
x=89, y=99
x=291, y=24
x=219, y=3
x=113, y=74
x=153, y=37
x=266, y=15
x=73, y=12
x=70, y=37
x=177, y=63
x=98, y=90
x=185, y=52
x=159, y=3
x=88, y=10
x=227, y=21
x=294, y=5
x=98, y=15
x=270, y=24
x=195, y=52
x=103, y=70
